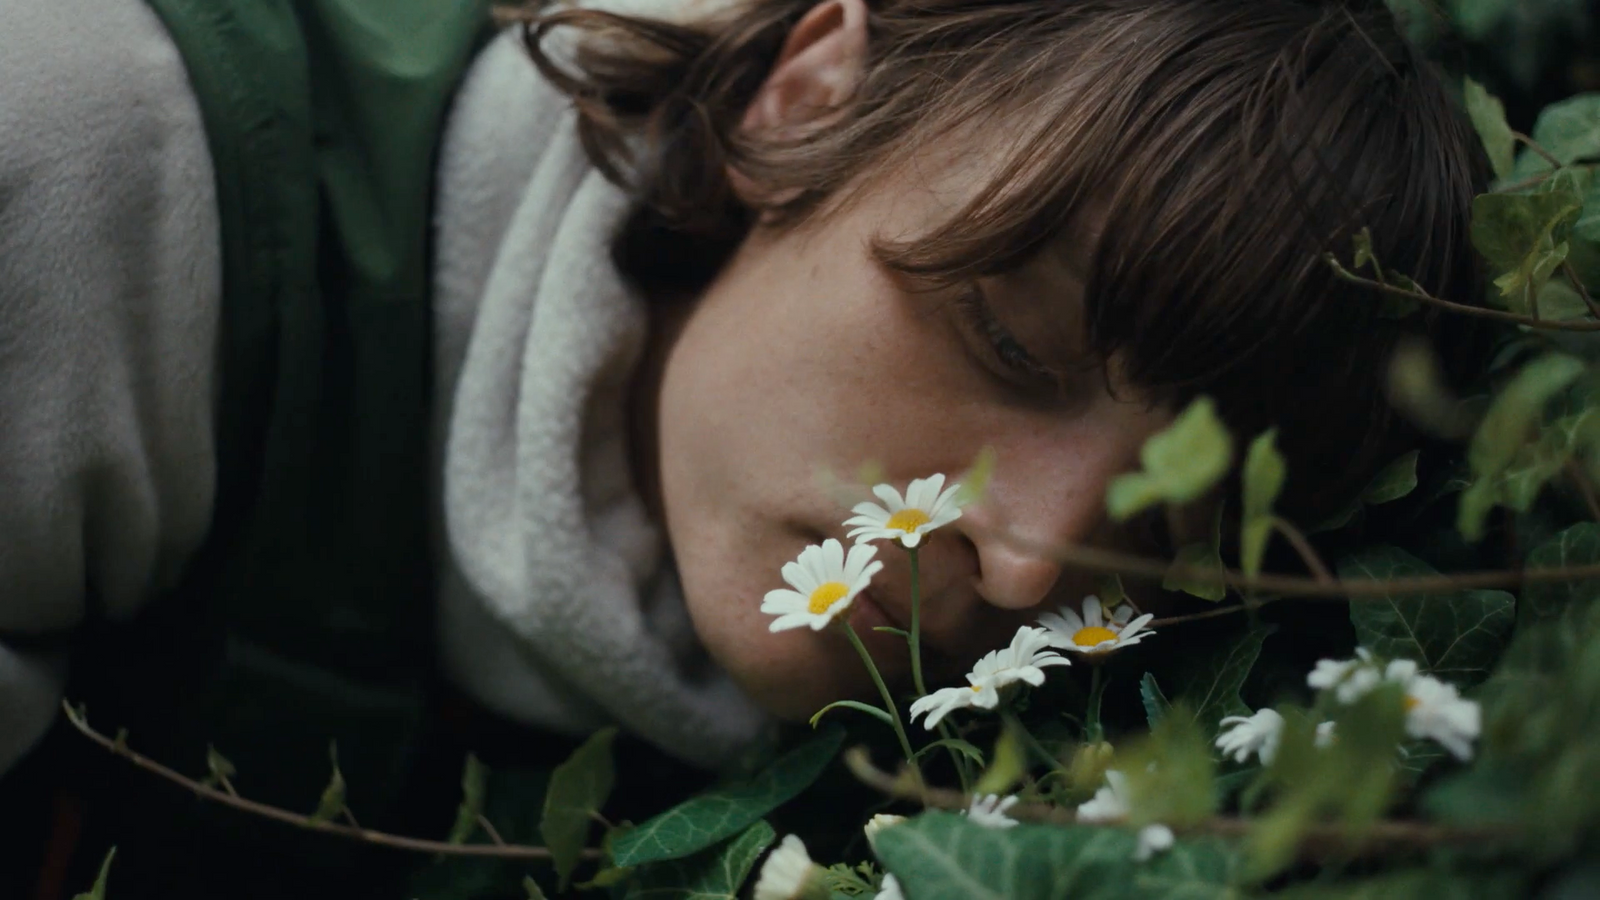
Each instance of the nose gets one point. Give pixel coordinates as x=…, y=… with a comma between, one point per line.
x=1015, y=529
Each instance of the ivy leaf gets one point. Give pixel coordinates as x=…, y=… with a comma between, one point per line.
x=474, y=780
x=1568, y=129
x=1524, y=238
x=1544, y=600
x=1489, y=118
x=1155, y=702
x=578, y=788
x=1181, y=463
x=714, y=873
x=1264, y=472
x=1416, y=884
x=333, y=796
x=98, y=891
x=1393, y=481
x=1503, y=435
x=941, y=856
x=1456, y=636
x=701, y=821
x=1212, y=681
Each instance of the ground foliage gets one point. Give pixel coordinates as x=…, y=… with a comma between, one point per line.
x=1349, y=819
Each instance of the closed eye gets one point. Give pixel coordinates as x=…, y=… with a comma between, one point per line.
x=1004, y=352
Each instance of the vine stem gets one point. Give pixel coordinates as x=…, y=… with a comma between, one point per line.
x=1320, y=839
x=1096, y=559
x=266, y=811
x=883, y=689
x=1302, y=546
x=1482, y=312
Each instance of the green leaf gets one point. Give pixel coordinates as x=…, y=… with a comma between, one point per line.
x=1264, y=472
x=1204, y=555
x=1171, y=772
x=1212, y=681
x=532, y=888
x=1524, y=238
x=1568, y=129
x=1489, y=118
x=332, y=801
x=1009, y=765
x=964, y=748
x=858, y=706
x=1544, y=600
x=98, y=892
x=1181, y=463
x=474, y=779
x=940, y=856
x=1416, y=884
x=578, y=788
x=1393, y=481
x=714, y=873
x=1502, y=438
x=1454, y=636
x=219, y=767
x=1155, y=702
x=704, y=820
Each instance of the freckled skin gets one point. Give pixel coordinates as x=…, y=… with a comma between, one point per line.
x=806, y=355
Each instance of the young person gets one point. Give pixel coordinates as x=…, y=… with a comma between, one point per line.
x=682, y=259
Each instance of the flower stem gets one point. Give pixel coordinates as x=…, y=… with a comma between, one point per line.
x=916, y=626
x=883, y=689
x=1032, y=743
x=1097, y=687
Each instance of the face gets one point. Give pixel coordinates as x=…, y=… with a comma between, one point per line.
x=807, y=355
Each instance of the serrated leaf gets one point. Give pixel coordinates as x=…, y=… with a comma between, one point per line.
x=1489, y=118
x=332, y=801
x=1181, y=463
x=98, y=891
x=1453, y=636
x=1264, y=473
x=1155, y=703
x=1212, y=681
x=474, y=779
x=1393, y=481
x=1524, y=238
x=714, y=873
x=940, y=856
x=701, y=821
x=578, y=789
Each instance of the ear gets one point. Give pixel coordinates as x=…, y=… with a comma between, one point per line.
x=817, y=69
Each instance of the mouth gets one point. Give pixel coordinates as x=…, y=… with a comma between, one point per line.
x=872, y=612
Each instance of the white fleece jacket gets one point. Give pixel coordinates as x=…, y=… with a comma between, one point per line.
x=558, y=607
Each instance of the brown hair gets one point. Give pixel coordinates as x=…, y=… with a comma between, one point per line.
x=1229, y=144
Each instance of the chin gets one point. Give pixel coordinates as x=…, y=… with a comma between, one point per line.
x=800, y=675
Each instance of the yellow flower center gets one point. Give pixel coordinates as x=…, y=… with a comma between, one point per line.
x=907, y=520
x=826, y=595
x=1410, y=703
x=1094, y=634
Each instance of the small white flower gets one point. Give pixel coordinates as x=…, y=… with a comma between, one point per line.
x=990, y=811
x=889, y=889
x=1153, y=839
x=788, y=873
x=1350, y=679
x=1110, y=803
x=1325, y=736
x=907, y=519
x=1092, y=632
x=1023, y=660
x=824, y=581
x=1257, y=734
x=1436, y=711
x=878, y=823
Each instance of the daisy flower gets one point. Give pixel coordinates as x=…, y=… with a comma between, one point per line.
x=1110, y=803
x=990, y=811
x=1256, y=735
x=924, y=508
x=1093, y=632
x=1350, y=679
x=1436, y=711
x=889, y=889
x=1153, y=839
x=824, y=583
x=878, y=823
x=1024, y=660
x=789, y=873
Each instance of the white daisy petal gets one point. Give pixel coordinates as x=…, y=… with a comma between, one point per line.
x=1110, y=803
x=878, y=823
x=1091, y=612
x=1255, y=735
x=827, y=584
x=990, y=811
x=889, y=889
x=1093, y=632
x=1436, y=711
x=1153, y=839
x=940, y=703
x=788, y=872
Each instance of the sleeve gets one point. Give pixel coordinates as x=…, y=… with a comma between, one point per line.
x=110, y=295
